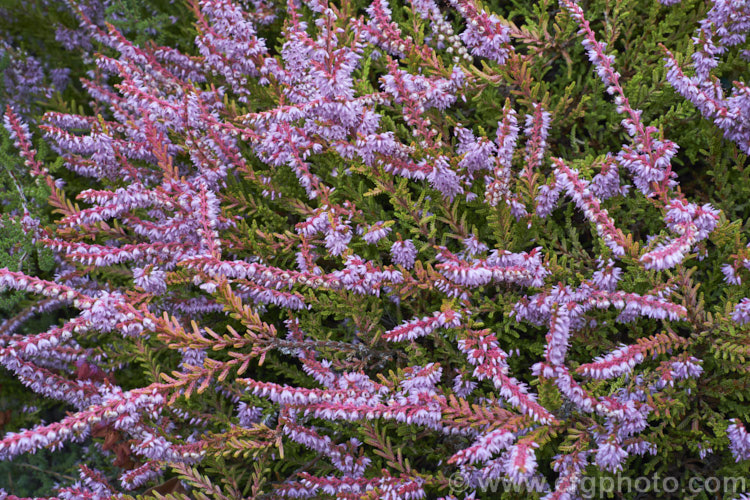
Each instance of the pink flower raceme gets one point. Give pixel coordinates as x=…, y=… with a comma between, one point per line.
x=498, y=184
x=726, y=25
x=225, y=34
x=122, y=409
x=610, y=456
x=520, y=462
x=485, y=35
x=739, y=440
x=523, y=268
x=485, y=447
x=585, y=200
x=404, y=253
x=422, y=327
x=483, y=352
x=741, y=312
x=691, y=222
x=444, y=179
x=614, y=364
x=376, y=232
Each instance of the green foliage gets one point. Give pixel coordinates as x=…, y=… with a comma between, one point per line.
x=19, y=195
x=152, y=21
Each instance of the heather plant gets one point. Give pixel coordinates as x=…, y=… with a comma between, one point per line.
x=361, y=249
x=35, y=76
x=43, y=53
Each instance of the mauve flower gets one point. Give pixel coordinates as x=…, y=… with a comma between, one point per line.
x=404, y=253
x=153, y=281
x=485, y=35
x=684, y=369
x=739, y=440
x=444, y=179
x=376, y=232
x=610, y=456
x=741, y=312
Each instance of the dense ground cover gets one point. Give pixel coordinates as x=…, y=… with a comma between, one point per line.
x=426, y=249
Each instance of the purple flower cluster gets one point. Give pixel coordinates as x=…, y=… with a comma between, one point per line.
x=739, y=440
x=404, y=253
x=485, y=35
x=726, y=25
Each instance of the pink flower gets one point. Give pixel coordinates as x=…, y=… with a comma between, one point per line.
x=376, y=232
x=610, y=456
x=404, y=253
x=739, y=440
x=741, y=312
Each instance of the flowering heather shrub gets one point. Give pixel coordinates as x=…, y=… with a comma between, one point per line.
x=350, y=250
x=43, y=52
